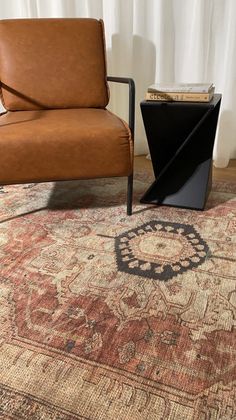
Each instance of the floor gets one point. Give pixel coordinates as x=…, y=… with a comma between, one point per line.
x=220, y=174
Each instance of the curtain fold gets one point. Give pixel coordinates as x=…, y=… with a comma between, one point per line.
x=159, y=41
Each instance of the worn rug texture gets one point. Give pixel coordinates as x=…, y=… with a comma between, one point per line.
x=106, y=316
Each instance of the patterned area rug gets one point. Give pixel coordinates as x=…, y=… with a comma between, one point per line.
x=105, y=316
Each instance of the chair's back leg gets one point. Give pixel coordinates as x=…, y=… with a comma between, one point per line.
x=129, y=195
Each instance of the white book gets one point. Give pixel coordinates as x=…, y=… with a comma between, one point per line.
x=181, y=87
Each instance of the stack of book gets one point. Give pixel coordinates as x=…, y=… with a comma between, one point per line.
x=185, y=92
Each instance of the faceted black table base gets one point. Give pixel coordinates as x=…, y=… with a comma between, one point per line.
x=181, y=138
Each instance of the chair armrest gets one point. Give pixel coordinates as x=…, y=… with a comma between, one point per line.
x=131, y=84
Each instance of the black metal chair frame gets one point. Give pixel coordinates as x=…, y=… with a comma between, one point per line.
x=130, y=82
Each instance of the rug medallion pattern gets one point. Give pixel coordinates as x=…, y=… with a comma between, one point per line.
x=107, y=316
x=160, y=250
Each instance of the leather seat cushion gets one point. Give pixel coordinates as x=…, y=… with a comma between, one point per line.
x=63, y=144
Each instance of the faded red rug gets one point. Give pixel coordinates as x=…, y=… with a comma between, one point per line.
x=105, y=316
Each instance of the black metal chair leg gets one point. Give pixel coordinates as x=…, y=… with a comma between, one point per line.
x=129, y=195
x=131, y=84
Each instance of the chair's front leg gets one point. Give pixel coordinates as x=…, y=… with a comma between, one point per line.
x=131, y=84
x=129, y=195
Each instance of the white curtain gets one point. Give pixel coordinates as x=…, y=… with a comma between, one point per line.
x=159, y=41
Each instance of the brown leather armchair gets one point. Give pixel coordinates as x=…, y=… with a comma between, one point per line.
x=55, y=92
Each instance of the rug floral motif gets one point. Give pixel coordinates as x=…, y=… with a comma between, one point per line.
x=106, y=316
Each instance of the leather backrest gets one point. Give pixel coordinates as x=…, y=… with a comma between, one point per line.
x=52, y=63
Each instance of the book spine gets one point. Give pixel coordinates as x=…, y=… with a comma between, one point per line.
x=184, y=97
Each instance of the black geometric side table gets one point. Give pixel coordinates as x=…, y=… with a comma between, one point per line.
x=181, y=138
